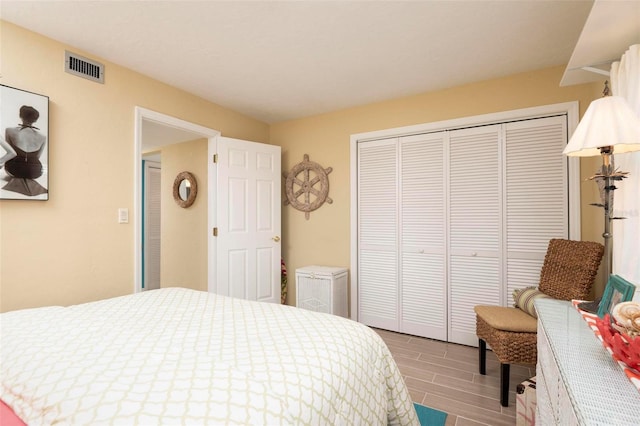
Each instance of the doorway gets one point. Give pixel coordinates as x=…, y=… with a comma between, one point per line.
x=154, y=130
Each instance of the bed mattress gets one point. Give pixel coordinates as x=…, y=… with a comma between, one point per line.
x=179, y=356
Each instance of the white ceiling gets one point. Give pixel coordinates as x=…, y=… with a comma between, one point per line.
x=156, y=135
x=281, y=60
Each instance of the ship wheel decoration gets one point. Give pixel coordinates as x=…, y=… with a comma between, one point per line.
x=307, y=186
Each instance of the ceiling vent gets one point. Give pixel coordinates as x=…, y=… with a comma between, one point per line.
x=83, y=67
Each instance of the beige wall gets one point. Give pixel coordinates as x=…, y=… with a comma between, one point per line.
x=71, y=248
x=184, y=230
x=324, y=239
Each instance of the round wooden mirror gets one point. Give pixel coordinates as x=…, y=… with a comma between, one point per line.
x=185, y=189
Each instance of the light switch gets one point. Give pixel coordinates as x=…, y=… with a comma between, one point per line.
x=123, y=215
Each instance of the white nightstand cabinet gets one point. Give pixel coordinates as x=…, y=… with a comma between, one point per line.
x=322, y=289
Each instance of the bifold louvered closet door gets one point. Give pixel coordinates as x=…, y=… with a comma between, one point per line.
x=402, y=235
x=378, y=234
x=475, y=221
x=447, y=219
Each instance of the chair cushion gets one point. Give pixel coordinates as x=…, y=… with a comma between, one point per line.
x=507, y=319
x=525, y=297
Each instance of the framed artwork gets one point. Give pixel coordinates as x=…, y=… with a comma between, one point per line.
x=617, y=290
x=24, y=145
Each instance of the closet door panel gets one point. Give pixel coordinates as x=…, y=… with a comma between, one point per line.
x=423, y=307
x=378, y=287
x=475, y=220
x=536, y=194
x=378, y=234
x=473, y=281
x=522, y=273
x=475, y=205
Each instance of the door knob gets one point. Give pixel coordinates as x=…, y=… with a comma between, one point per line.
x=276, y=238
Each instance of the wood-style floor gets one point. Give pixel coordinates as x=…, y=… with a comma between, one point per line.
x=445, y=376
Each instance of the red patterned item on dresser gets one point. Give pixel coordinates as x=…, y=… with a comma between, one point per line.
x=592, y=320
x=622, y=347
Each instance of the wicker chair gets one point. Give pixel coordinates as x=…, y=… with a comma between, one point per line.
x=568, y=272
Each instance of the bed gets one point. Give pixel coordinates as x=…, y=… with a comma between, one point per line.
x=180, y=356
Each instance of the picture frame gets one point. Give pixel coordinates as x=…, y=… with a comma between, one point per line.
x=24, y=145
x=617, y=290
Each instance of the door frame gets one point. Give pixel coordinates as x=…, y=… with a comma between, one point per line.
x=573, y=167
x=143, y=114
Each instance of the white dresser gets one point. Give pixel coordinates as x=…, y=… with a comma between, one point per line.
x=578, y=383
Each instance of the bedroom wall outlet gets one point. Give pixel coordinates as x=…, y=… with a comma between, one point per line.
x=123, y=215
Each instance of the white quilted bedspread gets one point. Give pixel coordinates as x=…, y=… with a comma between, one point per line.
x=178, y=356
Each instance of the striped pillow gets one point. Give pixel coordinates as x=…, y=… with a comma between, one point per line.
x=524, y=299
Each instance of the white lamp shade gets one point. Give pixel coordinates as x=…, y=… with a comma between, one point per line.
x=609, y=121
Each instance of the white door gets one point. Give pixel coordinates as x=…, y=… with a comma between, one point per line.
x=248, y=212
x=378, y=302
x=401, y=235
x=475, y=226
x=152, y=225
x=423, y=255
x=533, y=164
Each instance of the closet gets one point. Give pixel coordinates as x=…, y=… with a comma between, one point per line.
x=445, y=218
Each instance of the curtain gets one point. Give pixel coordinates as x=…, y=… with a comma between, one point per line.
x=625, y=82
